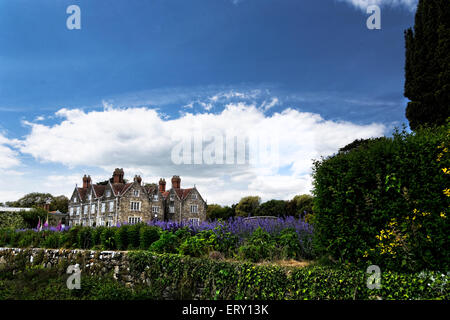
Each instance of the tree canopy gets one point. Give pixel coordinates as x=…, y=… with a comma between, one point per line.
x=427, y=65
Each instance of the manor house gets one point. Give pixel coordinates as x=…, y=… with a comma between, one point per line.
x=117, y=201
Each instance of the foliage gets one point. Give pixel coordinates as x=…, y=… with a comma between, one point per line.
x=260, y=246
x=122, y=237
x=275, y=208
x=167, y=243
x=427, y=65
x=215, y=212
x=248, y=206
x=301, y=206
x=31, y=218
x=36, y=199
x=376, y=187
x=148, y=235
x=11, y=220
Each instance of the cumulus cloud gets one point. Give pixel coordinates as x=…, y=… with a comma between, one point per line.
x=8, y=157
x=142, y=142
x=363, y=4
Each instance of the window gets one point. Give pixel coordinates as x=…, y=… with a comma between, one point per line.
x=85, y=209
x=108, y=193
x=78, y=210
x=71, y=211
x=93, y=208
x=155, y=209
x=89, y=197
x=171, y=209
x=194, y=208
x=172, y=197
x=134, y=220
x=103, y=207
x=75, y=200
x=111, y=206
x=135, y=206
x=155, y=197
x=194, y=196
x=194, y=221
x=136, y=193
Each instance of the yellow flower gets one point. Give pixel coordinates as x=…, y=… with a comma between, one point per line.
x=446, y=171
x=443, y=215
x=447, y=192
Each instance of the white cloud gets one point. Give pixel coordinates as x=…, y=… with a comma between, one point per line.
x=8, y=157
x=363, y=4
x=141, y=141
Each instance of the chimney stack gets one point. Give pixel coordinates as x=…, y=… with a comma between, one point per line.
x=138, y=179
x=118, y=176
x=176, y=182
x=86, y=182
x=162, y=185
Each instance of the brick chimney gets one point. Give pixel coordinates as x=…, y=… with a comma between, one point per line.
x=176, y=182
x=138, y=179
x=86, y=182
x=118, y=176
x=162, y=185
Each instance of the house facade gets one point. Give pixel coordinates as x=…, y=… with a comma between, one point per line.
x=117, y=201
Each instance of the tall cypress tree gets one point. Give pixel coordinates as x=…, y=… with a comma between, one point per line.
x=427, y=66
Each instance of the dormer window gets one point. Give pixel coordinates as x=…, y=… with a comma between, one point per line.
x=155, y=197
x=194, y=196
x=90, y=197
x=172, y=197
x=136, y=193
x=108, y=193
x=75, y=200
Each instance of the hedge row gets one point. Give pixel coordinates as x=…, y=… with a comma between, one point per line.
x=384, y=201
x=172, y=276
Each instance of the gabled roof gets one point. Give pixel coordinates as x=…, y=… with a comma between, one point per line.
x=121, y=188
x=82, y=193
x=183, y=193
x=99, y=190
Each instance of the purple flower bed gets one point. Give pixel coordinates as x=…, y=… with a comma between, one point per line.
x=241, y=227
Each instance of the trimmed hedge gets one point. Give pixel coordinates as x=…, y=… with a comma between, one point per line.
x=383, y=202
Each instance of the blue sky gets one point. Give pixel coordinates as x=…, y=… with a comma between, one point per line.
x=190, y=61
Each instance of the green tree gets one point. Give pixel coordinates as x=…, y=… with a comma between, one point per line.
x=276, y=208
x=215, y=211
x=300, y=206
x=247, y=206
x=60, y=203
x=427, y=65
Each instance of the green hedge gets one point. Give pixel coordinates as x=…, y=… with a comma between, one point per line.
x=373, y=189
x=171, y=276
x=186, y=276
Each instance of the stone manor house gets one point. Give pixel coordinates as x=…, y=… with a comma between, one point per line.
x=115, y=201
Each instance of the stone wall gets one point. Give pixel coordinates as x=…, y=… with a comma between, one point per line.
x=100, y=263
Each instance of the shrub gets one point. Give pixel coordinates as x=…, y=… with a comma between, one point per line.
x=107, y=239
x=121, y=237
x=289, y=244
x=199, y=245
x=52, y=240
x=96, y=235
x=148, y=235
x=360, y=192
x=261, y=246
x=167, y=243
x=85, y=240
x=134, y=236
x=11, y=220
